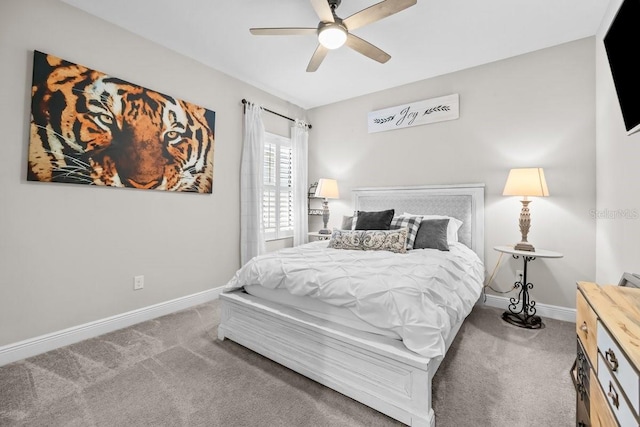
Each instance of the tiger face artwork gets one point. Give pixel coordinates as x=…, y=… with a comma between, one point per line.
x=90, y=128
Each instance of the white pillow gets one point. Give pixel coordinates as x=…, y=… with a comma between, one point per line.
x=452, y=228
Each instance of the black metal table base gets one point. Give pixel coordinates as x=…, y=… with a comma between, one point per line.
x=529, y=322
x=522, y=311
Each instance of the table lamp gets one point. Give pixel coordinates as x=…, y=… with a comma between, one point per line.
x=525, y=182
x=327, y=189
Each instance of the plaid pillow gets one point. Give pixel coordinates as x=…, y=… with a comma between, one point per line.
x=410, y=222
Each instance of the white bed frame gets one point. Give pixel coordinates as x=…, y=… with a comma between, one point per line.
x=377, y=371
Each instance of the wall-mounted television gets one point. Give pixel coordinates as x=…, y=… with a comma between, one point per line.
x=621, y=44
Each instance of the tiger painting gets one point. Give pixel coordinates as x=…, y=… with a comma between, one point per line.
x=90, y=128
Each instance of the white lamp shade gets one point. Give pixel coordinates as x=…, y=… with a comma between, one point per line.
x=332, y=36
x=327, y=189
x=526, y=182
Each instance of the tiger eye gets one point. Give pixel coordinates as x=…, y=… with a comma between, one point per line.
x=172, y=134
x=107, y=120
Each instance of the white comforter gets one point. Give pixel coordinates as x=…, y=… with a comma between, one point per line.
x=419, y=295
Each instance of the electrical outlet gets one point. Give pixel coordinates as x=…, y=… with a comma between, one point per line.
x=138, y=282
x=519, y=275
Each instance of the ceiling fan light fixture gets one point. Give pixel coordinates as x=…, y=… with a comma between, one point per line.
x=332, y=36
x=333, y=32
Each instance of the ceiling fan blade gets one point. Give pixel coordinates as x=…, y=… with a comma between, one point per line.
x=317, y=58
x=367, y=49
x=283, y=31
x=376, y=12
x=322, y=10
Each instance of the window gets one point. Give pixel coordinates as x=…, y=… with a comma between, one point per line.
x=277, y=200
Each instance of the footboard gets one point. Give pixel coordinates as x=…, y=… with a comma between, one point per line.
x=376, y=371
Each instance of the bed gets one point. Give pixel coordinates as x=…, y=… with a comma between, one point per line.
x=381, y=363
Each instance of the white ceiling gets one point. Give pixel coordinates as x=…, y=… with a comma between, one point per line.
x=432, y=38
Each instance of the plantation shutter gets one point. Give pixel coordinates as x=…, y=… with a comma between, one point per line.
x=278, y=187
x=270, y=194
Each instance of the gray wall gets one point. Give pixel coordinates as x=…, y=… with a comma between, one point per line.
x=532, y=110
x=618, y=174
x=68, y=253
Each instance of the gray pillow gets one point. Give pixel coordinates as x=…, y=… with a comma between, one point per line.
x=379, y=220
x=432, y=234
x=347, y=223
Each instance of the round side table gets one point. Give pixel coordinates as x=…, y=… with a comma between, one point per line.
x=522, y=310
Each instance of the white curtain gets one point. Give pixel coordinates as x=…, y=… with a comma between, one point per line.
x=299, y=148
x=251, y=189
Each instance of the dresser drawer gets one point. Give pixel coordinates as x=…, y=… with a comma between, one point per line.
x=619, y=367
x=599, y=411
x=614, y=395
x=586, y=328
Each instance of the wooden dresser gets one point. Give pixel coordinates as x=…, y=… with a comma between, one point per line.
x=607, y=369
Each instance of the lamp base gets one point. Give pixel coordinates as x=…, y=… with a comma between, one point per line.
x=324, y=231
x=524, y=246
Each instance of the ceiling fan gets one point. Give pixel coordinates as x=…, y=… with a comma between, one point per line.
x=333, y=31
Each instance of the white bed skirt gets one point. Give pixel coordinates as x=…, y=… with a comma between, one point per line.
x=374, y=370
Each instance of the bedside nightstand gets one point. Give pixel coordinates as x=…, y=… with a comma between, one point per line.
x=319, y=236
x=525, y=316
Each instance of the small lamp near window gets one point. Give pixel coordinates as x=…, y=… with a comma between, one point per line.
x=327, y=189
x=525, y=182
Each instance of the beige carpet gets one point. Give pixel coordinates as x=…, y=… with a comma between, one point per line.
x=173, y=371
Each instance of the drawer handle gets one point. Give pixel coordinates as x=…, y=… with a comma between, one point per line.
x=612, y=360
x=584, y=327
x=613, y=394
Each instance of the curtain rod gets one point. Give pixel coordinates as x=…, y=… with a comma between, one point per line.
x=244, y=101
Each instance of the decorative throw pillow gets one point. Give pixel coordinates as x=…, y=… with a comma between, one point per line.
x=370, y=240
x=452, y=229
x=432, y=234
x=410, y=222
x=378, y=220
x=347, y=223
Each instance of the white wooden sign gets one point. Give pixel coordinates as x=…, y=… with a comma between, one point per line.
x=414, y=114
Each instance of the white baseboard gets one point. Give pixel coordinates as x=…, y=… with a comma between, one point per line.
x=34, y=346
x=542, y=310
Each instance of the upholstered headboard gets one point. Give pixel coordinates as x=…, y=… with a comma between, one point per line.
x=464, y=202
